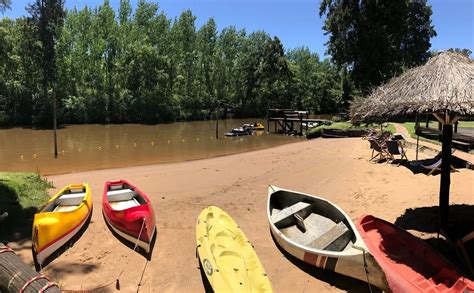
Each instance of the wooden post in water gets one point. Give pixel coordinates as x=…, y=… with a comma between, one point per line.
x=14, y=274
x=217, y=123
x=268, y=120
x=301, y=124
x=55, y=126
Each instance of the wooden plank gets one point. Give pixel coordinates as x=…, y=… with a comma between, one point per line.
x=14, y=274
x=289, y=212
x=330, y=237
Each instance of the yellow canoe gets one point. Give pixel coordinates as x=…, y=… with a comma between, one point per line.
x=63, y=216
x=226, y=255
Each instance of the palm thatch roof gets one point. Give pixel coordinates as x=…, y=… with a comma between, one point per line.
x=443, y=85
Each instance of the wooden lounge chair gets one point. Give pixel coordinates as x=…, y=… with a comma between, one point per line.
x=395, y=147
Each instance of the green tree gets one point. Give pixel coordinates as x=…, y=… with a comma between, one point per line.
x=376, y=39
x=4, y=5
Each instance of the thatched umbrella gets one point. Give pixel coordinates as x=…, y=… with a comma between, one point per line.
x=444, y=87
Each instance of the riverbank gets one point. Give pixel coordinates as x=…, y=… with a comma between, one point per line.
x=337, y=169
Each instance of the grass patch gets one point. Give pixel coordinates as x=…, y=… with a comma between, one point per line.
x=28, y=190
x=316, y=131
x=21, y=196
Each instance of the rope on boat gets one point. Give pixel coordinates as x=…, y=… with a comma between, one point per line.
x=116, y=281
x=366, y=269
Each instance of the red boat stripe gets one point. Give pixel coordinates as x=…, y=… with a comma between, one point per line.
x=134, y=236
x=65, y=234
x=310, y=258
x=322, y=261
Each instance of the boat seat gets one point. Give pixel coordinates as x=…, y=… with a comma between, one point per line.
x=65, y=208
x=285, y=216
x=70, y=199
x=120, y=195
x=124, y=204
x=335, y=239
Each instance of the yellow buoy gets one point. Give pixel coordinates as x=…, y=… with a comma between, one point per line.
x=100, y=148
x=34, y=156
x=184, y=140
x=22, y=157
x=152, y=143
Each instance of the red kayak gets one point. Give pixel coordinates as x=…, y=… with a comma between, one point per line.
x=128, y=211
x=410, y=265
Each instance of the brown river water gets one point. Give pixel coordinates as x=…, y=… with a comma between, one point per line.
x=89, y=147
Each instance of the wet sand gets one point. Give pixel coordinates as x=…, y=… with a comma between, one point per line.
x=337, y=169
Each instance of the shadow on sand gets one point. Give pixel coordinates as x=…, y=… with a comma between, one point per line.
x=63, y=248
x=205, y=281
x=426, y=220
x=131, y=245
x=17, y=222
x=339, y=281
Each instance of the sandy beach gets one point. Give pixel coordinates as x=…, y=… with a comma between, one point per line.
x=337, y=169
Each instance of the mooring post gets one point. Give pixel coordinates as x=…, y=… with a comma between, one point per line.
x=301, y=124
x=268, y=120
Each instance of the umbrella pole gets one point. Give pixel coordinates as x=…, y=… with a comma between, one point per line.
x=445, y=175
x=417, y=125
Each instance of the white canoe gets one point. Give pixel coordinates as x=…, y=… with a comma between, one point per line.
x=319, y=233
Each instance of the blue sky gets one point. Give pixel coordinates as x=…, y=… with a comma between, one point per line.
x=296, y=22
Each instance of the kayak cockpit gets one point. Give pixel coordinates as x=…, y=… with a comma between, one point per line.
x=122, y=197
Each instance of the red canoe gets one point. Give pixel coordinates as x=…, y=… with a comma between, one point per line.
x=410, y=265
x=128, y=211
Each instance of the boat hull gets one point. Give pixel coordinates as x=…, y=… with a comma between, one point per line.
x=409, y=264
x=135, y=224
x=349, y=262
x=53, y=229
x=226, y=255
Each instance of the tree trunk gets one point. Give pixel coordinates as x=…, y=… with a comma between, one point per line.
x=14, y=274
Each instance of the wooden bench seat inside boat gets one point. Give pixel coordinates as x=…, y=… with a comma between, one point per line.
x=71, y=199
x=285, y=217
x=122, y=199
x=321, y=233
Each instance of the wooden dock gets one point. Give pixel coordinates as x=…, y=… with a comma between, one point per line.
x=462, y=138
x=288, y=121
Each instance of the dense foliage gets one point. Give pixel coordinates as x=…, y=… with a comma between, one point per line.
x=375, y=39
x=140, y=66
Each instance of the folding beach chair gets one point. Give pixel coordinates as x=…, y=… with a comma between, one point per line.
x=436, y=166
x=395, y=147
x=379, y=148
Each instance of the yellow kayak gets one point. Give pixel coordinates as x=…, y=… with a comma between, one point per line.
x=226, y=255
x=62, y=217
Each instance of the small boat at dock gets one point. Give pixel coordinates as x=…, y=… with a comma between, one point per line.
x=255, y=126
x=63, y=217
x=129, y=213
x=241, y=131
x=319, y=233
x=410, y=264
